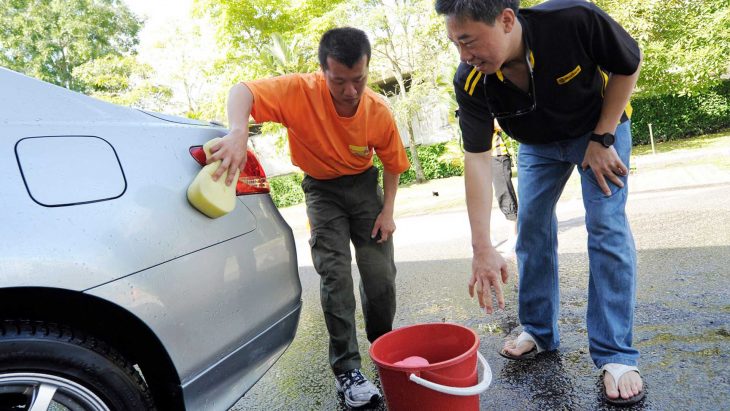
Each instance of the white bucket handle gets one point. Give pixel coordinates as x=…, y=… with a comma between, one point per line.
x=461, y=391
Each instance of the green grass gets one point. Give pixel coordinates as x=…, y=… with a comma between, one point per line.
x=705, y=141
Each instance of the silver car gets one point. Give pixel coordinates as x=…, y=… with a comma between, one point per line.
x=115, y=293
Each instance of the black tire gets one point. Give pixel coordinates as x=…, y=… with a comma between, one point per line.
x=86, y=373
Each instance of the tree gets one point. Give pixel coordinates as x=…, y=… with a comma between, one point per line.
x=125, y=81
x=685, y=42
x=48, y=39
x=184, y=60
x=247, y=28
x=282, y=57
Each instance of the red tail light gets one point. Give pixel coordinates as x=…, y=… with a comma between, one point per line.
x=252, y=179
x=198, y=154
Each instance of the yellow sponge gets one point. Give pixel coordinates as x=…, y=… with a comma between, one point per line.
x=212, y=198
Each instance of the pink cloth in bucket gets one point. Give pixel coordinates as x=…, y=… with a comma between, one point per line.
x=412, y=362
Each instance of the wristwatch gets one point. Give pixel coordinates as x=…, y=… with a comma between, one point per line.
x=606, y=139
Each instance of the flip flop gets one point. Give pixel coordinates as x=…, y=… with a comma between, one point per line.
x=523, y=337
x=617, y=371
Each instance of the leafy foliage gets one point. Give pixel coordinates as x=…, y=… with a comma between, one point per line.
x=674, y=116
x=440, y=160
x=685, y=42
x=249, y=29
x=122, y=80
x=48, y=39
x=282, y=57
x=286, y=190
x=185, y=62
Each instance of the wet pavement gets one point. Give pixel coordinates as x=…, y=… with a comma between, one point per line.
x=682, y=321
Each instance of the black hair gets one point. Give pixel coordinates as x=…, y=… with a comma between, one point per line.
x=485, y=11
x=347, y=45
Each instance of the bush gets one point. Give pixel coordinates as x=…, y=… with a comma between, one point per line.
x=286, y=190
x=674, y=117
x=440, y=160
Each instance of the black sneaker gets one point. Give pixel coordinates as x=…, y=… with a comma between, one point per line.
x=356, y=389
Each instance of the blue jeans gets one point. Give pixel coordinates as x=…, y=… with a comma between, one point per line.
x=543, y=171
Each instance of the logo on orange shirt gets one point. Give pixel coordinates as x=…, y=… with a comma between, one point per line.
x=359, y=150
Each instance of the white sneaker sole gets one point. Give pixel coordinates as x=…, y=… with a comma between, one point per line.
x=356, y=404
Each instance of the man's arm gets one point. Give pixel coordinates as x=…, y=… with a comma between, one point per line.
x=487, y=265
x=477, y=128
x=232, y=149
x=385, y=222
x=605, y=162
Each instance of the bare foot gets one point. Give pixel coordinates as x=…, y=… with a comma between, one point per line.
x=514, y=350
x=629, y=385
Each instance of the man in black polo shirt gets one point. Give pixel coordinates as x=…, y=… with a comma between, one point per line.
x=558, y=78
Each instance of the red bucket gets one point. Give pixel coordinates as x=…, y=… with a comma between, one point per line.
x=448, y=382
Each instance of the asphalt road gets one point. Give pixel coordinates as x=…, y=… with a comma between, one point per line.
x=682, y=322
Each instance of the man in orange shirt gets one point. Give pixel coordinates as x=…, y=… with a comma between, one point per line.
x=335, y=124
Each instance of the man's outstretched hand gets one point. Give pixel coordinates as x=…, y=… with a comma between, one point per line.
x=486, y=269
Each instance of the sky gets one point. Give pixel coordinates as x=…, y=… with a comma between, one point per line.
x=157, y=14
x=158, y=11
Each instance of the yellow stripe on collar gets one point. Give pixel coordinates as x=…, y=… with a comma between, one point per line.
x=468, y=79
x=474, y=83
x=500, y=76
x=532, y=60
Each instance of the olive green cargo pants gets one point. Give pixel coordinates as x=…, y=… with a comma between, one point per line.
x=341, y=210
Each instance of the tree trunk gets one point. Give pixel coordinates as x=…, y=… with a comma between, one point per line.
x=415, y=162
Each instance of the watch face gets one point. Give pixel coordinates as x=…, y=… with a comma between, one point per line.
x=608, y=139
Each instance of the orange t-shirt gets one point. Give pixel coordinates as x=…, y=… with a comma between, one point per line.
x=323, y=144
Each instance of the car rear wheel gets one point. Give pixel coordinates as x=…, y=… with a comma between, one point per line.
x=46, y=366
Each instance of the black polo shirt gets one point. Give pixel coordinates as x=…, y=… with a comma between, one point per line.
x=572, y=46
